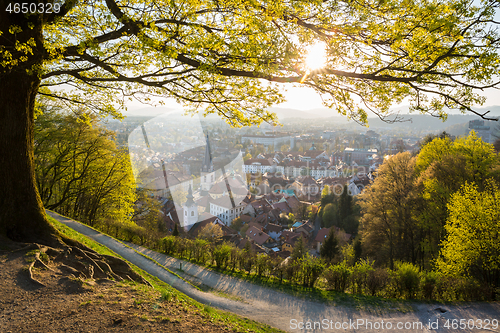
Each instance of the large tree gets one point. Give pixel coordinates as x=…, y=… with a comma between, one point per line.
x=471, y=246
x=442, y=168
x=226, y=58
x=389, y=230
x=79, y=170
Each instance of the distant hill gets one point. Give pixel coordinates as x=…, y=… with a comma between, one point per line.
x=456, y=124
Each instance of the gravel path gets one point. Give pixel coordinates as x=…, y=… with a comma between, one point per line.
x=287, y=312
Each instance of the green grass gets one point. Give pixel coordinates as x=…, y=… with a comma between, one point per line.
x=232, y=321
x=330, y=297
x=374, y=304
x=68, y=232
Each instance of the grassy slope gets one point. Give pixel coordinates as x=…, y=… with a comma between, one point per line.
x=233, y=322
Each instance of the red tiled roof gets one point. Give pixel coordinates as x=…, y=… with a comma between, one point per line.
x=261, y=161
x=312, y=153
x=245, y=218
x=271, y=227
x=322, y=234
x=283, y=207
x=259, y=236
x=217, y=188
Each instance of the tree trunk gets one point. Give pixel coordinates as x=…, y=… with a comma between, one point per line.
x=22, y=216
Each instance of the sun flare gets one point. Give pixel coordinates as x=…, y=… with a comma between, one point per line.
x=316, y=57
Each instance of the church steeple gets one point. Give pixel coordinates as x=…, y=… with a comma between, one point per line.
x=207, y=165
x=190, y=197
x=190, y=210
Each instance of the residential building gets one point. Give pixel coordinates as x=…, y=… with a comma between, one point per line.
x=483, y=131
x=226, y=209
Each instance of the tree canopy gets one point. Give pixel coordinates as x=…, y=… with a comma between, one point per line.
x=442, y=167
x=388, y=225
x=80, y=173
x=230, y=58
x=225, y=57
x=471, y=246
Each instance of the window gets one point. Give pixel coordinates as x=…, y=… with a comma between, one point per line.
x=192, y=213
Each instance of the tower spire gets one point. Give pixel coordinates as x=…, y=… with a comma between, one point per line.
x=207, y=165
x=189, y=197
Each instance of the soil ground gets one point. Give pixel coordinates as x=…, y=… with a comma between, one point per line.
x=69, y=304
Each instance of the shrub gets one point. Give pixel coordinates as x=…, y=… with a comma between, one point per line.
x=376, y=280
x=359, y=276
x=337, y=276
x=310, y=269
x=168, y=244
x=428, y=284
x=407, y=279
x=222, y=254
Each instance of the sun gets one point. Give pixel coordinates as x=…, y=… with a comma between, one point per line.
x=316, y=57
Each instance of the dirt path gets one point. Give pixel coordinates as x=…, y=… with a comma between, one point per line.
x=291, y=313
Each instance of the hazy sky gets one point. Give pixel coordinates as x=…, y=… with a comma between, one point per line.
x=306, y=99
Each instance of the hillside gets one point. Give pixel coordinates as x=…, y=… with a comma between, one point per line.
x=61, y=299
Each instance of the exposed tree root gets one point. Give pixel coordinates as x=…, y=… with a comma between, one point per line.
x=30, y=272
x=82, y=262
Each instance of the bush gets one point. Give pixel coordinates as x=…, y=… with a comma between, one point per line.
x=310, y=269
x=451, y=288
x=168, y=245
x=337, y=276
x=428, y=284
x=222, y=254
x=407, y=279
x=359, y=276
x=377, y=280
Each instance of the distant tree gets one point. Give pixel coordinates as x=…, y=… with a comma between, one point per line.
x=327, y=196
x=79, y=170
x=358, y=250
x=329, y=215
x=211, y=232
x=326, y=191
x=299, y=248
x=313, y=210
x=301, y=211
x=330, y=247
x=285, y=148
x=244, y=229
x=176, y=231
x=345, y=204
x=496, y=144
x=236, y=224
x=147, y=214
x=179, y=195
x=429, y=137
x=247, y=157
x=471, y=246
x=388, y=225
